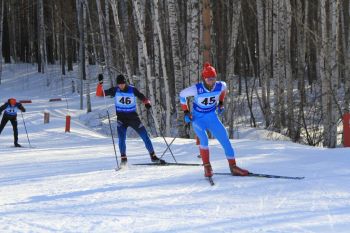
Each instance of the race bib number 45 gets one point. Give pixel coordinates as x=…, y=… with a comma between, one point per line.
x=207, y=101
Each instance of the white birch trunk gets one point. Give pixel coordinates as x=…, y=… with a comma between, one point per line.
x=109, y=44
x=41, y=38
x=164, y=70
x=177, y=63
x=120, y=38
x=263, y=39
x=334, y=17
x=141, y=65
x=326, y=88
x=95, y=55
x=347, y=68
x=147, y=61
x=194, y=43
x=1, y=33
x=275, y=63
x=236, y=18
x=104, y=41
x=87, y=65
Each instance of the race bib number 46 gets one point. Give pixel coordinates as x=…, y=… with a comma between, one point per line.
x=125, y=100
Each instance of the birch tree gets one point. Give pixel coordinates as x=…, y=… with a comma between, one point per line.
x=87, y=54
x=140, y=29
x=263, y=38
x=120, y=38
x=41, y=38
x=347, y=61
x=103, y=35
x=1, y=33
x=177, y=64
x=164, y=69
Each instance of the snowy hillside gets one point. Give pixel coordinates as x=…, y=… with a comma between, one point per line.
x=67, y=181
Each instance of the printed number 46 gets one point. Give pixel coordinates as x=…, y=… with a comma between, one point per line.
x=207, y=101
x=125, y=100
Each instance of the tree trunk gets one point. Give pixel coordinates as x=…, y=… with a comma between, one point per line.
x=86, y=54
x=263, y=64
x=347, y=62
x=1, y=33
x=206, y=31
x=104, y=41
x=121, y=40
x=140, y=29
x=177, y=64
x=164, y=70
x=194, y=43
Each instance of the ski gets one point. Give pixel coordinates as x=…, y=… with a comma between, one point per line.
x=211, y=181
x=264, y=175
x=169, y=164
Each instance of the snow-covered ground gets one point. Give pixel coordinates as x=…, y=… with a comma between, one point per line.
x=67, y=181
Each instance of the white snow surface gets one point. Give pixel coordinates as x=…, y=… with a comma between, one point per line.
x=67, y=181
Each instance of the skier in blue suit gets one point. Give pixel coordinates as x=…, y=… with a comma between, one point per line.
x=209, y=97
x=125, y=103
x=11, y=107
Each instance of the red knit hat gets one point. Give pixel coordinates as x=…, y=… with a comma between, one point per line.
x=208, y=71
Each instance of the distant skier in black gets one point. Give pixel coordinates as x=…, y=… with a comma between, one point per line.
x=11, y=107
x=125, y=104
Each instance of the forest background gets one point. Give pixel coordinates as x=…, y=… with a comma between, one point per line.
x=285, y=62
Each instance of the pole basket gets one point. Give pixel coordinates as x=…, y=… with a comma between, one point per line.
x=67, y=123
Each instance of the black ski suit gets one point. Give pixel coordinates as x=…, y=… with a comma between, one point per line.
x=10, y=114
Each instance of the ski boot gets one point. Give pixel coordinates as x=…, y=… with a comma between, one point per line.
x=155, y=159
x=123, y=159
x=17, y=145
x=235, y=170
x=208, y=171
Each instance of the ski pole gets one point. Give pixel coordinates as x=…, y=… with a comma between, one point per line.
x=168, y=146
x=110, y=127
x=25, y=127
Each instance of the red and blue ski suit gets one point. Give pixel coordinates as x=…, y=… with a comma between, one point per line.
x=204, y=115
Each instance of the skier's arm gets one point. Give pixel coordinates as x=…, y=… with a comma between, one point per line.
x=143, y=98
x=2, y=108
x=223, y=94
x=190, y=91
x=20, y=107
x=111, y=91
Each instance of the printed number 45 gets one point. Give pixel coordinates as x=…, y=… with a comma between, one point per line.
x=208, y=100
x=125, y=100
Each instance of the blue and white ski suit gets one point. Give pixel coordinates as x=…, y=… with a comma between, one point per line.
x=204, y=115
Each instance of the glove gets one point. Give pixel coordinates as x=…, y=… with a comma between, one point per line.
x=148, y=106
x=188, y=117
x=100, y=78
x=221, y=108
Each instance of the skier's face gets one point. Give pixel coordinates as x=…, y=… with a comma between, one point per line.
x=122, y=86
x=210, y=81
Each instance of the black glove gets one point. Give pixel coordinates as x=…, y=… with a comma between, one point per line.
x=148, y=106
x=100, y=78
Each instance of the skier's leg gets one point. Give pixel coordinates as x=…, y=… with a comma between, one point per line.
x=121, y=129
x=200, y=130
x=15, y=131
x=219, y=132
x=4, y=121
